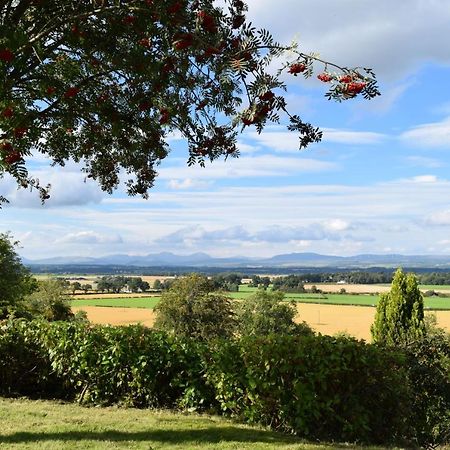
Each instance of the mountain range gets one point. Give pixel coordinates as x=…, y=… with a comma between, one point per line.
x=168, y=259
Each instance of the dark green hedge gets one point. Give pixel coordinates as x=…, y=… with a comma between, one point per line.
x=315, y=386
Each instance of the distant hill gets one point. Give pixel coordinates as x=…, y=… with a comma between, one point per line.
x=290, y=260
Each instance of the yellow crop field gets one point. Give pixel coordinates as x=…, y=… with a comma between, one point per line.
x=326, y=319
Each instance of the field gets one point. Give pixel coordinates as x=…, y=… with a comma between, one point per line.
x=117, y=302
x=326, y=319
x=327, y=313
x=46, y=425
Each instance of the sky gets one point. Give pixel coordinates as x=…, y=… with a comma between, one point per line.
x=379, y=181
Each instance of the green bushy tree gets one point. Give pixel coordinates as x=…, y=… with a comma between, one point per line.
x=192, y=308
x=399, y=318
x=266, y=313
x=50, y=301
x=15, y=279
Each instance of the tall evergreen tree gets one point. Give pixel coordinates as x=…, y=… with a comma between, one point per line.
x=399, y=319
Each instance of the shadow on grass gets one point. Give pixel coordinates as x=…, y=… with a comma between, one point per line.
x=210, y=435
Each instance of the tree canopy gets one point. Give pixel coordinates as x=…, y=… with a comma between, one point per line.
x=399, y=318
x=15, y=279
x=192, y=307
x=105, y=82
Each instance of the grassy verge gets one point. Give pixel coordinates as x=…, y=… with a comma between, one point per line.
x=49, y=425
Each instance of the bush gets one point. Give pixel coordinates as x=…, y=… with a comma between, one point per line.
x=320, y=387
x=192, y=308
x=131, y=365
x=428, y=367
x=25, y=366
x=266, y=312
x=314, y=386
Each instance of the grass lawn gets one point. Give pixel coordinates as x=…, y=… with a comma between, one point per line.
x=49, y=425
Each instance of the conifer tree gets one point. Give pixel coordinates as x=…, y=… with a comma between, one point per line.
x=399, y=319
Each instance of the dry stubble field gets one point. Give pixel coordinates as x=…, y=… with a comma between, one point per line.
x=326, y=319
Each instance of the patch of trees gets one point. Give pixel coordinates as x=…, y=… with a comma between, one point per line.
x=258, y=281
x=439, y=278
x=122, y=283
x=227, y=281
x=21, y=295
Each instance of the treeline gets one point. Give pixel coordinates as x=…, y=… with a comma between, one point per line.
x=120, y=283
x=357, y=277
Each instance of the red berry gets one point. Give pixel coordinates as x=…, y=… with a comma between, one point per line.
x=6, y=147
x=346, y=79
x=50, y=90
x=12, y=157
x=184, y=41
x=8, y=112
x=174, y=8
x=129, y=20
x=165, y=116
x=6, y=55
x=238, y=21
x=20, y=131
x=297, y=68
x=211, y=51
x=269, y=95
x=145, y=42
x=207, y=21
x=247, y=121
x=354, y=88
x=325, y=77
x=71, y=92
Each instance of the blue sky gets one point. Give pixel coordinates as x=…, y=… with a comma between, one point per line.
x=378, y=182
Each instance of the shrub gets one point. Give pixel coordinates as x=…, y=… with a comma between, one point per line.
x=315, y=386
x=428, y=368
x=191, y=308
x=320, y=387
x=25, y=366
x=266, y=312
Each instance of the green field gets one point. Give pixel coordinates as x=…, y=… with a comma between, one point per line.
x=124, y=302
x=46, y=425
x=325, y=299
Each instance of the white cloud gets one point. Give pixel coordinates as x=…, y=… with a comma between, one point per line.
x=425, y=162
x=439, y=218
x=68, y=188
x=429, y=135
x=392, y=37
x=330, y=230
x=89, y=237
x=187, y=183
x=285, y=141
x=247, y=166
x=425, y=179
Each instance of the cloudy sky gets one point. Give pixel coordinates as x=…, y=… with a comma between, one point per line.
x=379, y=182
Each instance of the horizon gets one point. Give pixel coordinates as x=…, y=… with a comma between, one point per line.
x=378, y=183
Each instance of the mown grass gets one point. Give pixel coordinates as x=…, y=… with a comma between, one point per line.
x=28, y=424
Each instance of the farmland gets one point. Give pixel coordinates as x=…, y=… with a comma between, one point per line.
x=324, y=312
